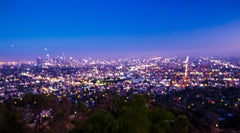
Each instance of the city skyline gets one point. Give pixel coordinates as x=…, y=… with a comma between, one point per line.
x=117, y=29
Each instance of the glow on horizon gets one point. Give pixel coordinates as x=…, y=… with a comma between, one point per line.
x=118, y=29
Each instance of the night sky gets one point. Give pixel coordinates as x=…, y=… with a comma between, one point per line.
x=113, y=29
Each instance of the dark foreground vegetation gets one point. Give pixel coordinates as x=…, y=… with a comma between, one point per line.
x=133, y=116
x=45, y=113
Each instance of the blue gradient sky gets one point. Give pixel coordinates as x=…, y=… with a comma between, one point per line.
x=124, y=28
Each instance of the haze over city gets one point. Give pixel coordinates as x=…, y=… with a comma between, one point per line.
x=119, y=29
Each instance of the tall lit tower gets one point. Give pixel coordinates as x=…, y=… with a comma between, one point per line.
x=40, y=61
x=186, y=72
x=47, y=55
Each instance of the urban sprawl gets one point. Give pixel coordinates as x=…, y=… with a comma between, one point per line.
x=190, y=83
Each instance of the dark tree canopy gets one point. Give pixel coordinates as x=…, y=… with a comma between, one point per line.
x=133, y=117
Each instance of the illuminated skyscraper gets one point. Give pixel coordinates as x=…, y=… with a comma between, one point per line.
x=40, y=61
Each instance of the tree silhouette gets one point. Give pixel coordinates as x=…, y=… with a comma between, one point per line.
x=10, y=121
x=133, y=117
